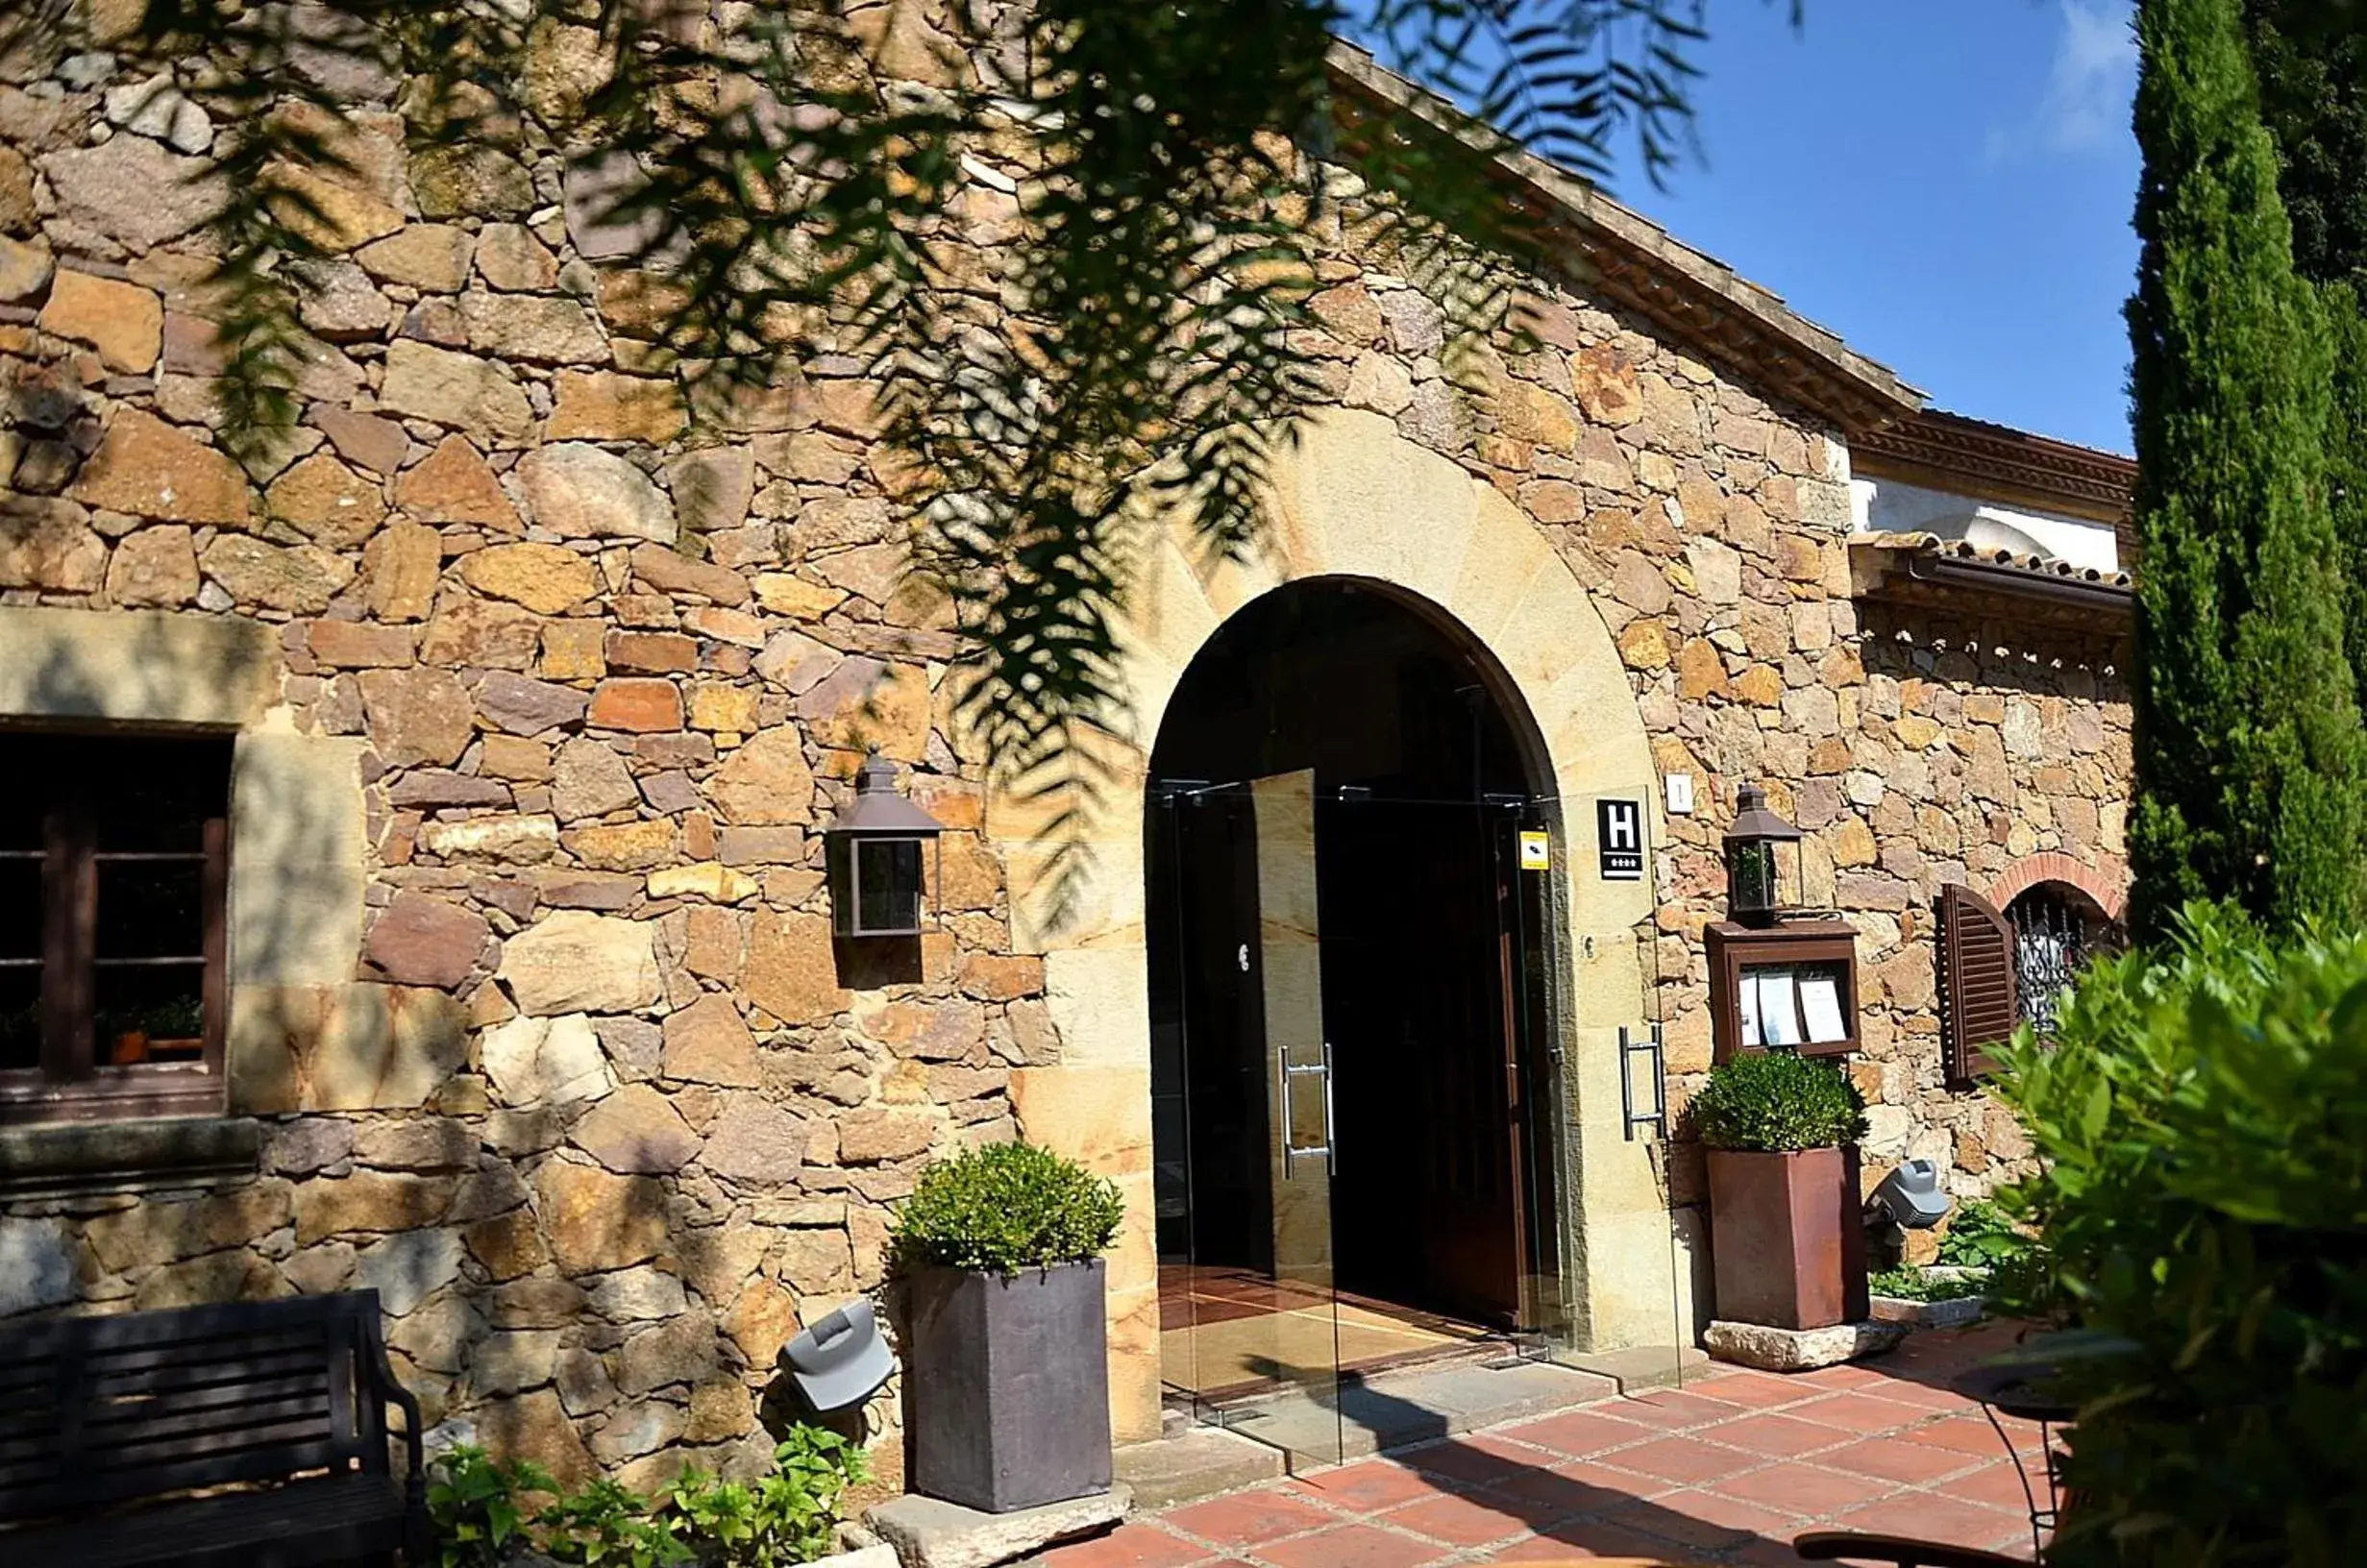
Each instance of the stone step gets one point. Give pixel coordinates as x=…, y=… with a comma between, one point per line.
x=1392, y=1410
x=927, y=1533
x=1641, y=1367
x=1194, y=1464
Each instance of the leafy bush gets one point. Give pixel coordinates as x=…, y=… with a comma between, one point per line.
x=790, y=1517
x=1908, y=1283
x=1980, y=1235
x=477, y=1503
x=480, y=1510
x=1775, y=1101
x=2202, y=1115
x=1005, y=1208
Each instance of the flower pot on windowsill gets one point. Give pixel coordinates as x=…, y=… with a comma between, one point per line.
x=1007, y=1388
x=1786, y=1241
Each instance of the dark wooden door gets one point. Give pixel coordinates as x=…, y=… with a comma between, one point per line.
x=1418, y=990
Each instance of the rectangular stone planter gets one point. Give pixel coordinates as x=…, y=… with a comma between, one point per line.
x=1007, y=1389
x=1787, y=1237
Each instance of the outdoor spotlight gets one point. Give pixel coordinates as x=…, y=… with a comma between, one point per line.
x=874, y=852
x=842, y=1361
x=1911, y=1197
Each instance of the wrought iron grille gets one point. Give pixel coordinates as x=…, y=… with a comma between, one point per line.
x=2055, y=932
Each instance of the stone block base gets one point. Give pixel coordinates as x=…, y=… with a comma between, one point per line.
x=929, y=1533
x=1928, y=1315
x=1799, y=1350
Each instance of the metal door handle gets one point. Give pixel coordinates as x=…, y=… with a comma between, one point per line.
x=1284, y=1072
x=1331, y=1134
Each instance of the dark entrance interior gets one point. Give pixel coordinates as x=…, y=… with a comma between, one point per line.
x=1439, y=1194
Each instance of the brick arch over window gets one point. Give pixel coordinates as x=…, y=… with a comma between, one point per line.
x=2106, y=884
x=1351, y=497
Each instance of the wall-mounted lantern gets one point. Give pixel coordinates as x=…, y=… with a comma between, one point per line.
x=873, y=854
x=1752, y=893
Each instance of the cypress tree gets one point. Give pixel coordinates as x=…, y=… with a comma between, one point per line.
x=2251, y=763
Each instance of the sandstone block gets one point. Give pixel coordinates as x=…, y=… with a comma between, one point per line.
x=421, y=939
x=430, y=257
x=658, y=652
x=707, y=1043
x=682, y=1350
x=510, y=257
x=368, y=1201
x=712, y=488
x=49, y=544
x=150, y=469
x=547, y=330
x=589, y=779
x=25, y=269
x=515, y=840
x=415, y=716
x=574, y=962
x=638, y=1293
x=546, y=579
x=408, y=1268
x=541, y=1062
x=452, y=484
x=606, y=407
x=133, y=190
x=471, y=179
x=1798, y=1350
x=582, y=492
x=573, y=651
x=637, y=704
x=622, y=846
x=670, y=572
x=123, y=321
x=327, y=502
x=399, y=568
x=868, y=704
x=598, y=1222
x=792, y=968
x=707, y=879
x=456, y=389
x=636, y=1131
x=755, y=1142
x=527, y=707
x=300, y=578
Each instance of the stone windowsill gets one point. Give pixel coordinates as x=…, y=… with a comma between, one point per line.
x=94, y=1157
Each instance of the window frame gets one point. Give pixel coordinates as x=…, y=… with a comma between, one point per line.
x=71, y=1082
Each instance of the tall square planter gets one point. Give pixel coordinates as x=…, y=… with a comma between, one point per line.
x=1787, y=1237
x=1009, y=1387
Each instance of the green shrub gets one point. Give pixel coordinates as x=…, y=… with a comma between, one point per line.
x=477, y=1503
x=481, y=1516
x=1980, y=1235
x=1774, y=1101
x=1908, y=1283
x=1005, y=1208
x=790, y=1517
x=2203, y=1115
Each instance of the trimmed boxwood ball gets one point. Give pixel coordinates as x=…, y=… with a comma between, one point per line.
x=1773, y=1102
x=1007, y=1207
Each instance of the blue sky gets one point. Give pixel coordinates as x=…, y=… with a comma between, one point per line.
x=1947, y=184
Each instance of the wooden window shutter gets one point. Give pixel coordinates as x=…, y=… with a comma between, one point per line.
x=1977, y=1003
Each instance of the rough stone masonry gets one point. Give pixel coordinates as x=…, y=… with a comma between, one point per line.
x=563, y=1061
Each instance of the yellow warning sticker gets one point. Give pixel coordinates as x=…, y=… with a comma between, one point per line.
x=1536, y=849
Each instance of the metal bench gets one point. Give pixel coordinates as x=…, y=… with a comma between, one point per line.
x=275, y=1411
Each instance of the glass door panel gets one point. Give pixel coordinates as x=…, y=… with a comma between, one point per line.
x=1250, y=1331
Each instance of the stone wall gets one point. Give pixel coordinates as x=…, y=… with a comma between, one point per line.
x=594, y=1100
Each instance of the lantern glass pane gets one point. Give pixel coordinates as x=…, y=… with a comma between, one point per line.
x=1750, y=877
x=888, y=884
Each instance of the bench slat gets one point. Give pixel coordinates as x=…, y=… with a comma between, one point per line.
x=326, y=1519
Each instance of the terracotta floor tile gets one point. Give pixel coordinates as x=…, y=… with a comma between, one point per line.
x=1848, y=1375
x=1247, y=1518
x=1923, y=1396
x=1803, y=1489
x=1777, y=1436
x=1583, y=1487
x=1705, y=1519
x=1912, y=1463
x=1462, y=1521
x=1687, y=1460
x=1860, y=1413
x=1466, y=1460
x=1669, y=1408
x=1756, y=1390
x=1963, y=1433
x=1138, y=1545
x=1997, y=1484
x=1931, y=1518
x=1351, y=1546
x=1583, y=1539
x=1370, y=1486
x=1581, y=1433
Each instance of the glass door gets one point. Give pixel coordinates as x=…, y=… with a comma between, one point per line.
x=1250, y=1328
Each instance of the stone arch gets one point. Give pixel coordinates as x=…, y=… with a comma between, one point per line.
x=1353, y=498
x=2108, y=885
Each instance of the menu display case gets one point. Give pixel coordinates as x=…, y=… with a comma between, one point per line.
x=1790, y=986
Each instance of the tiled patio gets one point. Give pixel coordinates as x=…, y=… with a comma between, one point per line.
x=1727, y=1470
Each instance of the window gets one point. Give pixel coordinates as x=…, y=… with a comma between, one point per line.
x=1998, y=970
x=113, y=870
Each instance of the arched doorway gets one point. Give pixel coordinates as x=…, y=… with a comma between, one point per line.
x=1354, y=1102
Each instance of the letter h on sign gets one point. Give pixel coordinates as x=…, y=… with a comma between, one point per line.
x=1618, y=840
